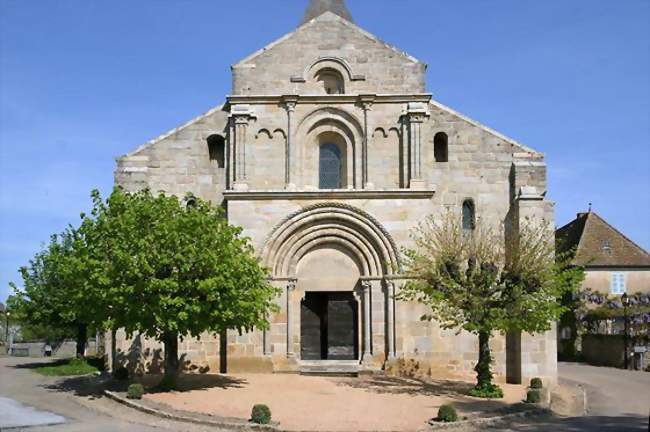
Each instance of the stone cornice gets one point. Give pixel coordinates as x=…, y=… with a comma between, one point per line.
x=327, y=99
x=232, y=195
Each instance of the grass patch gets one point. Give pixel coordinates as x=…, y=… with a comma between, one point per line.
x=68, y=367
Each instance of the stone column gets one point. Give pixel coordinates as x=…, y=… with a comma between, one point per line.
x=417, y=113
x=290, y=103
x=291, y=287
x=240, y=115
x=366, y=103
x=367, y=339
x=390, y=318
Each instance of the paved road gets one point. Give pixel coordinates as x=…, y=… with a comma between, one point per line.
x=618, y=401
x=24, y=392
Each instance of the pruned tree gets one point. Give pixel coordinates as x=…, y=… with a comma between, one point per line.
x=175, y=268
x=477, y=281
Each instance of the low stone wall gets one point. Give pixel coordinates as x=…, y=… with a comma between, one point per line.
x=37, y=349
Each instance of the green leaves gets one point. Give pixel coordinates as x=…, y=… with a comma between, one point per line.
x=150, y=264
x=177, y=268
x=488, y=280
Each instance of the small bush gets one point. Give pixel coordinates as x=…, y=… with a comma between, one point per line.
x=536, y=383
x=490, y=391
x=261, y=414
x=121, y=373
x=533, y=396
x=135, y=391
x=447, y=414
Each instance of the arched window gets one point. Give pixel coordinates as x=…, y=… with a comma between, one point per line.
x=440, y=147
x=469, y=215
x=331, y=80
x=217, y=150
x=329, y=167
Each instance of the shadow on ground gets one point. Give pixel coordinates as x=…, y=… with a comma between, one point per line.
x=94, y=386
x=456, y=391
x=626, y=423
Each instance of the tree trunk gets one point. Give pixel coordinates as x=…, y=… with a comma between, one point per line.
x=113, y=350
x=171, y=356
x=82, y=337
x=483, y=373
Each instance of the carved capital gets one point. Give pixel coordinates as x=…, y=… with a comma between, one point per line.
x=289, y=102
x=291, y=284
x=366, y=285
x=367, y=101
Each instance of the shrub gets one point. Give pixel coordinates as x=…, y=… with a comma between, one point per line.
x=447, y=414
x=533, y=396
x=135, y=391
x=121, y=373
x=490, y=391
x=261, y=414
x=536, y=383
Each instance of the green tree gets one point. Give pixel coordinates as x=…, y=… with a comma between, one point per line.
x=478, y=281
x=174, y=268
x=57, y=299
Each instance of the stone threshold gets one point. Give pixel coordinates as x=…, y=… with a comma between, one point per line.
x=259, y=195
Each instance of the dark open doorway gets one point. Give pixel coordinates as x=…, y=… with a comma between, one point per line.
x=328, y=326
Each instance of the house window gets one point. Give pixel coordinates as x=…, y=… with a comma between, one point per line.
x=618, y=283
x=440, y=147
x=329, y=169
x=469, y=215
x=331, y=80
x=607, y=248
x=217, y=150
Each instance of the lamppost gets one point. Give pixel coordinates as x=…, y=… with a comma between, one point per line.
x=7, y=314
x=626, y=301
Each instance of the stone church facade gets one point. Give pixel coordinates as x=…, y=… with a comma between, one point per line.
x=328, y=152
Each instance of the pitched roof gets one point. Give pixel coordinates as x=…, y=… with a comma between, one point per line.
x=317, y=8
x=598, y=244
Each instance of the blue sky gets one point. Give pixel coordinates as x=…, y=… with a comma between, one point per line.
x=82, y=82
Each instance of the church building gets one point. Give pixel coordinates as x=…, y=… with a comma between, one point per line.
x=328, y=152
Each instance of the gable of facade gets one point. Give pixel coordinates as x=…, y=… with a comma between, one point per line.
x=327, y=154
x=295, y=63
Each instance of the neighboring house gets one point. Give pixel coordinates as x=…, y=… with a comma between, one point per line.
x=327, y=153
x=614, y=265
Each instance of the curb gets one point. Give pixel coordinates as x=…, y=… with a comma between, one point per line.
x=162, y=414
x=533, y=411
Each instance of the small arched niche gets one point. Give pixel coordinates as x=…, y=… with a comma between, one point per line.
x=332, y=161
x=331, y=81
x=217, y=150
x=441, y=147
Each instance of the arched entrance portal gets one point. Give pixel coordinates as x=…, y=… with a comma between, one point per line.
x=338, y=261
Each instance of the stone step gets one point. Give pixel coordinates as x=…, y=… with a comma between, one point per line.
x=329, y=368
